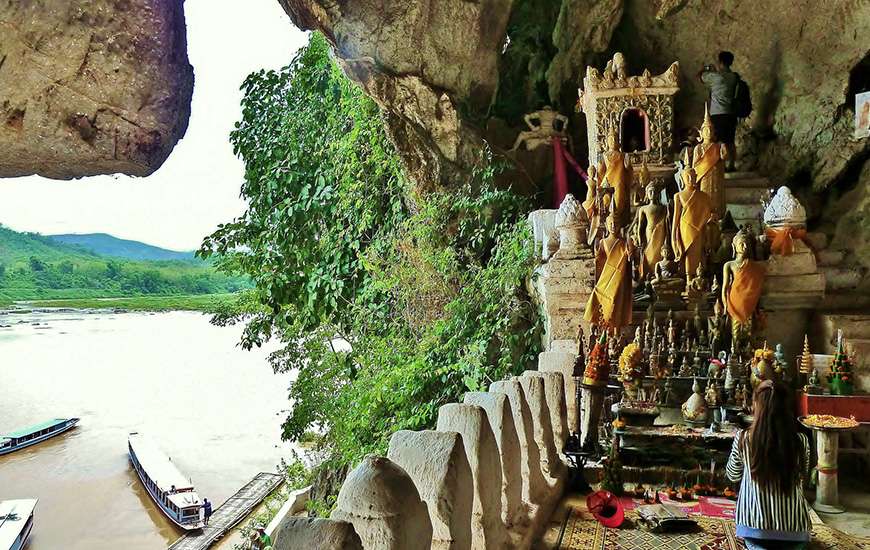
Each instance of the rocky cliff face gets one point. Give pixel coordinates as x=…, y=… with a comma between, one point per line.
x=91, y=86
x=452, y=74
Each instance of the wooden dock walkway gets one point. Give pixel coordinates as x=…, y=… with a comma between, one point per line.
x=231, y=512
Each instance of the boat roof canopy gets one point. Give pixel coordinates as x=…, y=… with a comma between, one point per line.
x=185, y=499
x=157, y=465
x=35, y=428
x=13, y=516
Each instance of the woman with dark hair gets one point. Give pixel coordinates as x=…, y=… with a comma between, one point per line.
x=770, y=460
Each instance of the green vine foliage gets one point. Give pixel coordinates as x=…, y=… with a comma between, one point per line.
x=386, y=314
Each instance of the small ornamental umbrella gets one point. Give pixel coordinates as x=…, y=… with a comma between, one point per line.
x=605, y=507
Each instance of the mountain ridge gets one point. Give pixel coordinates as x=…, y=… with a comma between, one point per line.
x=105, y=244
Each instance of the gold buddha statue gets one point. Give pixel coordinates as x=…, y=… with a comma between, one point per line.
x=611, y=300
x=615, y=169
x=708, y=160
x=650, y=232
x=693, y=210
x=742, y=279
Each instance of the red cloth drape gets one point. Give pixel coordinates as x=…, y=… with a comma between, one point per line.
x=560, y=171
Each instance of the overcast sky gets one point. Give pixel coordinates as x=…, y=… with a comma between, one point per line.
x=198, y=186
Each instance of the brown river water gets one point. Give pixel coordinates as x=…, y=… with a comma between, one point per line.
x=214, y=408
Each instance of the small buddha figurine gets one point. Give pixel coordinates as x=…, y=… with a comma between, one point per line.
x=666, y=282
x=717, y=366
x=738, y=396
x=716, y=327
x=615, y=168
x=543, y=125
x=697, y=287
x=591, y=192
x=651, y=232
x=711, y=396
x=742, y=279
x=693, y=210
x=685, y=369
x=611, y=301
x=708, y=160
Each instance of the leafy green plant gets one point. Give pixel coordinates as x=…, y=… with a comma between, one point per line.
x=387, y=311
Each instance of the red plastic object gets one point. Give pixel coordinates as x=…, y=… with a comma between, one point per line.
x=836, y=405
x=606, y=508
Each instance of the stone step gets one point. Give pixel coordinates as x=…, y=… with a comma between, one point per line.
x=817, y=240
x=745, y=213
x=830, y=258
x=746, y=195
x=836, y=300
x=840, y=278
x=746, y=180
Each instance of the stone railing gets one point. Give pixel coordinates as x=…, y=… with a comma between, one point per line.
x=489, y=476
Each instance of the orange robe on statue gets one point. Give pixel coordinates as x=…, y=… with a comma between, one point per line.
x=745, y=291
x=619, y=177
x=690, y=228
x=655, y=239
x=710, y=171
x=611, y=300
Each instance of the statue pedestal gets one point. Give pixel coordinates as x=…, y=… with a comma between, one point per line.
x=793, y=287
x=562, y=288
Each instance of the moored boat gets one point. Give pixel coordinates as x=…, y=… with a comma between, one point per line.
x=16, y=523
x=173, y=493
x=38, y=433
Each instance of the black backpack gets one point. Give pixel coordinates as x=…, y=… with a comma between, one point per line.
x=742, y=98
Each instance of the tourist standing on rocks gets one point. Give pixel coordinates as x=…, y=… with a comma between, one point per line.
x=770, y=461
x=721, y=81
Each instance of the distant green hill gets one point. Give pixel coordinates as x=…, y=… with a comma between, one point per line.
x=108, y=245
x=35, y=267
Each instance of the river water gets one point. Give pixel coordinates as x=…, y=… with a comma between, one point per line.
x=213, y=407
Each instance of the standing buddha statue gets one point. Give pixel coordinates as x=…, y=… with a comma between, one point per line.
x=693, y=210
x=611, y=300
x=615, y=169
x=742, y=279
x=651, y=232
x=708, y=160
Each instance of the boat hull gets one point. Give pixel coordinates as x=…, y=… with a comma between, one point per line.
x=26, y=535
x=160, y=505
x=40, y=439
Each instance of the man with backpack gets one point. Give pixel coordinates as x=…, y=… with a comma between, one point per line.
x=729, y=100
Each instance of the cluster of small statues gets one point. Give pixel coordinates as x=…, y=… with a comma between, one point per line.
x=664, y=252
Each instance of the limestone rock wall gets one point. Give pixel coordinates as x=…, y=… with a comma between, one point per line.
x=453, y=74
x=91, y=86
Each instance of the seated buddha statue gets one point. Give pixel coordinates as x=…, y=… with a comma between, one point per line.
x=666, y=281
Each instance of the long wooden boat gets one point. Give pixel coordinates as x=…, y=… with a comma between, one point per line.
x=16, y=523
x=173, y=493
x=35, y=434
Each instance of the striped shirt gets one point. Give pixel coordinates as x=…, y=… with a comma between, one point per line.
x=767, y=513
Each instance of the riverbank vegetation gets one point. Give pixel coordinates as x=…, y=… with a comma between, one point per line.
x=208, y=303
x=389, y=303
x=36, y=268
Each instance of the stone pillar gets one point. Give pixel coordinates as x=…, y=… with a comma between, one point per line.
x=380, y=500
x=437, y=464
x=562, y=288
x=554, y=392
x=551, y=465
x=498, y=410
x=535, y=488
x=827, y=489
x=563, y=362
x=592, y=402
x=487, y=529
x=324, y=534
